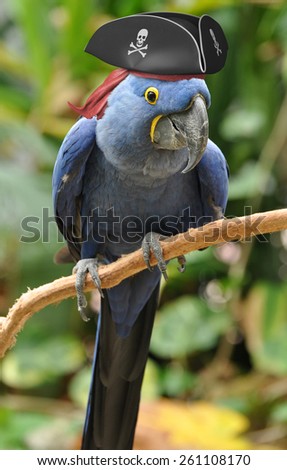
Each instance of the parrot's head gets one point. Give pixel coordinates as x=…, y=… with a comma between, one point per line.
x=155, y=127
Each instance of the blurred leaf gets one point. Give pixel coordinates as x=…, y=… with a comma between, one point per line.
x=60, y=433
x=151, y=385
x=198, y=7
x=54, y=424
x=75, y=33
x=22, y=195
x=13, y=99
x=80, y=385
x=198, y=425
x=242, y=124
x=31, y=365
x=241, y=404
x=24, y=143
x=185, y=326
x=12, y=63
x=243, y=184
x=264, y=317
x=38, y=35
x=279, y=413
x=15, y=425
x=176, y=380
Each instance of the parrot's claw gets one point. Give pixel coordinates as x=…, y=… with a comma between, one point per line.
x=81, y=269
x=151, y=244
x=182, y=263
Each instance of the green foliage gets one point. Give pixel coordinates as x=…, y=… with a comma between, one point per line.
x=265, y=320
x=242, y=184
x=185, y=326
x=176, y=380
x=79, y=386
x=279, y=413
x=33, y=364
x=17, y=426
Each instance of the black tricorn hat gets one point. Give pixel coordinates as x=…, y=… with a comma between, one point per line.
x=162, y=43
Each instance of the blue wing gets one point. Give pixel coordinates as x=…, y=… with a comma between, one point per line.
x=213, y=178
x=68, y=177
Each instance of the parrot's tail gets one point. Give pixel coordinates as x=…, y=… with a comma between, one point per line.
x=118, y=371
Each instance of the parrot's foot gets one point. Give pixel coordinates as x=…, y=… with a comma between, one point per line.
x=182, y=263
x=151, y=244
x=81, y=269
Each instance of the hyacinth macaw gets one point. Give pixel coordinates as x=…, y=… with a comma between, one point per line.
x=138, y=167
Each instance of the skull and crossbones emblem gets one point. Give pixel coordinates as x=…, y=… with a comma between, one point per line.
x=215, y=42
x=139, y=46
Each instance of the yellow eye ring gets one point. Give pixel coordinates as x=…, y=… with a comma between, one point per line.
x=151, y=95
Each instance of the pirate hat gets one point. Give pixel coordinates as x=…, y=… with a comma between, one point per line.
x=161, y=43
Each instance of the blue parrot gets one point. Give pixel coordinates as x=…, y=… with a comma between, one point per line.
x=143, y=171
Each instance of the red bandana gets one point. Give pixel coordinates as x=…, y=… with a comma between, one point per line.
x=97, y=102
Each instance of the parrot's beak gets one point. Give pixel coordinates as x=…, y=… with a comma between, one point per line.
x=188, y=128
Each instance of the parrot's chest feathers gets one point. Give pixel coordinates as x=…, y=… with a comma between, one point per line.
x=142, y=165
x=156, y=188
x=124, y=210
x=160, y=164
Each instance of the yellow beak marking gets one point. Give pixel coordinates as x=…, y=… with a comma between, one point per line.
x=153, y=126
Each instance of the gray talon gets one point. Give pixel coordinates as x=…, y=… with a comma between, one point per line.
x=150, y=245
x=93, y=270
x=164, y=273
x=146, y=253
x=83, y=313
x=182, y=263
x=81, y=269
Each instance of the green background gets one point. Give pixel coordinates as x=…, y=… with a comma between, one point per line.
x=220, y=337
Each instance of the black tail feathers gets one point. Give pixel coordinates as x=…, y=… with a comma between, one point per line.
x=117, y=379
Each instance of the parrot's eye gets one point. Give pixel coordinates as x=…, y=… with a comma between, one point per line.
x=151, y=95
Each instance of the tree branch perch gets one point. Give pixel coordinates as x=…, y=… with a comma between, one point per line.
x=220, y=231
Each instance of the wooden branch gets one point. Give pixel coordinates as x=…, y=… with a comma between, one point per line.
x=224, y=230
